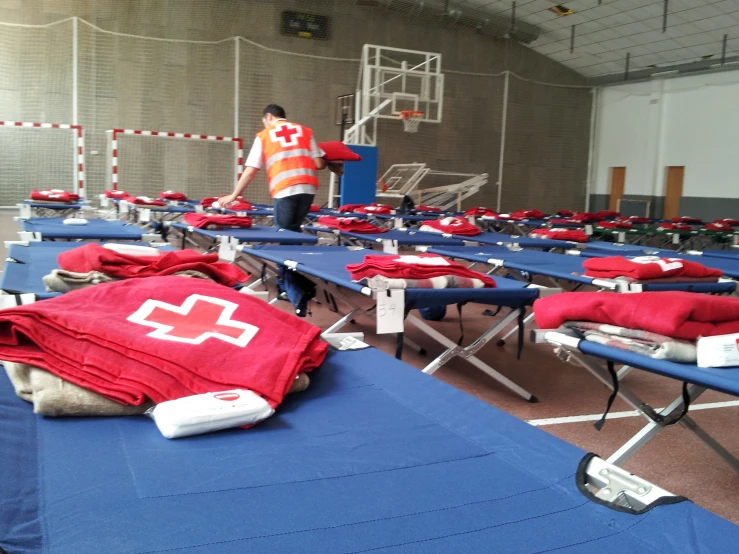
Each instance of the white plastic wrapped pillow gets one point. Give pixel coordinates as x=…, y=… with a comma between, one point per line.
x=209, y=412
x=75, y=221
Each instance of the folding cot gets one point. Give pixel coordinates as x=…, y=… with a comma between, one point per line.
x=694, y=239
x=209, y=240
x=389, y=240
x=502, y=223
x=27, y=264
x=696, y=380
x=95, y=229
x=29, y=208
x=566, y=268
x=326, y=266
x=500, y=239
x=374, y=456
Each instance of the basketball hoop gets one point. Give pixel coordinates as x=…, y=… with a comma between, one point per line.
x=411, y=120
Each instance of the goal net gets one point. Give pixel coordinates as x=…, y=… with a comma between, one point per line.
x=144, y=163
x=38, y=156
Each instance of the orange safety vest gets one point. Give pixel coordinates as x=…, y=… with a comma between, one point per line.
x=286, y=148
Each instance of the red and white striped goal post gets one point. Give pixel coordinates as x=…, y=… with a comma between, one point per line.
x=191, y=136
x=79, y=185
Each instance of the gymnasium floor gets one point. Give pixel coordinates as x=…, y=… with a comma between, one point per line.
x=571, y=401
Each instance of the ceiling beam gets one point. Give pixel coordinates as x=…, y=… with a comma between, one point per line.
x=677, y=70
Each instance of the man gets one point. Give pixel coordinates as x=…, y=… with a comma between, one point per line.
x=291, y=156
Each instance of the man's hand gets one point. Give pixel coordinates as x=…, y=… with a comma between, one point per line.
x=224, y=201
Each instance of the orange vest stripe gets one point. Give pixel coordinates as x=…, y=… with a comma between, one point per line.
x=286, y=148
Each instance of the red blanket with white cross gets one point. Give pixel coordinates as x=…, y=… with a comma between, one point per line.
x=682, y=315
x=54, y=195
x=125, y=262
x=351, y=224
x=217, y=221
x=162, y=338
x=644, y=268
x=451, y=225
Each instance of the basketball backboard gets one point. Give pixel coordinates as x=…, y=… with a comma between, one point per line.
x=409, y=79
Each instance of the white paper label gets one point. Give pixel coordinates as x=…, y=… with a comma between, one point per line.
x=226, y=251
x=397, y=223
x=199, y=209
x=390, y=311
x=25, y=211
x=123, y=207
x=390, y=246
x=104, y=201
x=144, y=215
x=588, y=230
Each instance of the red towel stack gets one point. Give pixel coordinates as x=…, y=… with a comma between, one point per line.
x=351, y=224
x=422, y=208
x=527, y=214
x=350, y=207
x=379, y=209
x=217, y=221
x=452, y=226
x=719, y=226
x=674, y=227
x=585, y=217
x=682, y=315
x=144, y=201
x=418, y=266
x=644, y=268
x=573, y=235
x=173, y=196
x=565, y=213
x=480, y=211
x=615, y=224
x=687, y=220
x=54, y=195
x=162, y=338
x=728, y=221
x=116, y=194
x=105, y=259
x=635, y=219
x=603, y=214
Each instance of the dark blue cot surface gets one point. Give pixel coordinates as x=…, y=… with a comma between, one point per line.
x=25, y=266
x=562, y=266
x=54, y=206
x=721, y=379
x=374, y=456
x=254, y=234
x=96, y=229
x=329, y=263
x=730, y=266
x=524, y=242
x=402, y=237
x=616, y=249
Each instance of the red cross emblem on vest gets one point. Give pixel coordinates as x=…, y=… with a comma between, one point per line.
x=196, y=320
x=286, y=133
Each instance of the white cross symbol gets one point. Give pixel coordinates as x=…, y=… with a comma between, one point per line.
x=199, y=318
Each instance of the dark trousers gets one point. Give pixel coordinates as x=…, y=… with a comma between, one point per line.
x=291, y=211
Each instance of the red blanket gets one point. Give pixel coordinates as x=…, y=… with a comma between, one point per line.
x=682, y=315
x=728, y=221
x=585, y=217
x=674, y=227
x=527, y=214
x=217, y=221
x=350, y=207
x=422, y=208
x=615, y=224
x=54, y=195
x=644, y=268
x=314, y=208
x=480, y=211
x=121, y=265
x=351, y=224
x=382, y=209
x=451, y=225
x=686, y=219
x=117, y=194
x=574, y=235
x=162, y=338
x=603, y=214
x=565, y=213
x=635, y=219
x=719, y=226
x=239, y=205
x=418, y=266
x=173, y=196
x=339, y=152
x=144, y=201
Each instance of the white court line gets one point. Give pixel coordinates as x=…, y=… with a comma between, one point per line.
x=621, y=415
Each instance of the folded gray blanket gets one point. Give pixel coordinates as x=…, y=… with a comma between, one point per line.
x=637, y=341
x=63, y=281
x=53, y=396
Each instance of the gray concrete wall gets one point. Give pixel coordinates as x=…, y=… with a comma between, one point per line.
x=147, y=84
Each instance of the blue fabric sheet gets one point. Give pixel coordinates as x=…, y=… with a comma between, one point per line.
x=403, y=237
x=618, y=249
x=255, y=234
x=25, y=266
x=374, y=456
x=562, y=266
x=720, y=379
x=329, y=263
x=523, y=242
x=96, y=229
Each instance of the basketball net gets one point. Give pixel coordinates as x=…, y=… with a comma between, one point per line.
x=411, y=120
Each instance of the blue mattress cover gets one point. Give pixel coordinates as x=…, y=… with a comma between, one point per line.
x=562, y=266
x=730, y=266
x=524, y=242
x=721, y=379
x=408, y=237
x=54, y=228
x=617, y=249
x=329, y=263
x=25, y=266
x=256, y=233
x=727, y=254
x=374, y=456
x=58, y=206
